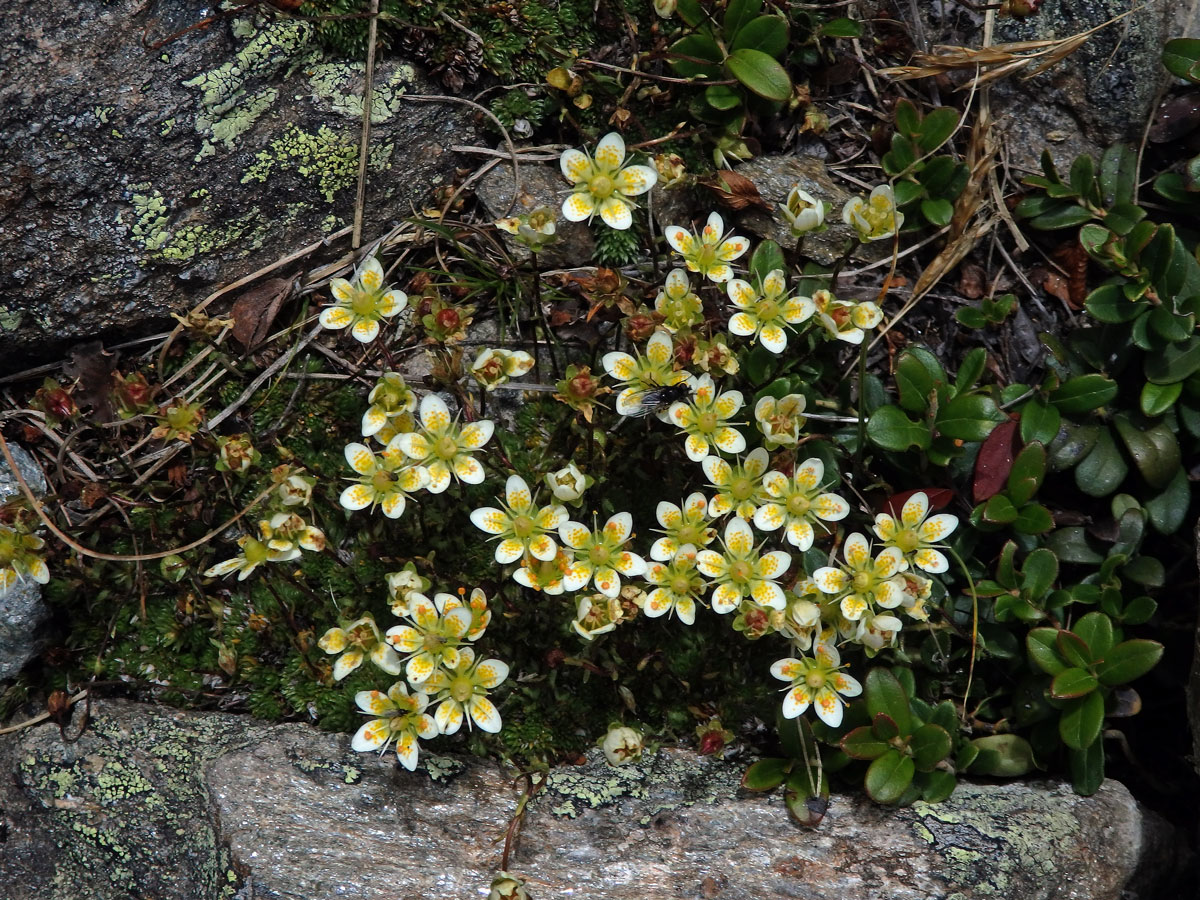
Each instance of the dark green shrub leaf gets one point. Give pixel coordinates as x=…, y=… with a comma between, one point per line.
x=1096, y=630
x=722, y=96
x=760, y=73
x=999, y=510
x=1042, y=644
x=701, y=46
x=1028, y=470
x=1072, y=545
x=970, y=317
x=766, y=774
x=1168, y=510
x=884, y=726
x=842, y=28
x=891, y=429
x=937, y=785
x=930, y=744
x=1108, y=303
x=968, y=417
x=1039, y=421
x=1071, y=683
x=1083, y=393
x=862, y=743
x=767, y=257
x=1071, y=647
x=737, y=14
x=1062, y=215
x=918, y=376
x=1175, y=362
x=1128, y=660
x=1039, y=573
x=889, y=777
x=1156, y=399
x=936, y=128
x=885, y=694
x=1103, y=469
x=908, y=120
x=1033, y=518
x=1155, y=451
x=937, y=211
x=1081, y=721
x=1118, y=175
x=766, y=33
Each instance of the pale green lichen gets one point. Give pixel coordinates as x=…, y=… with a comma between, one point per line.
x=326, y=158
x=228, y=105
x=165, y=128
x=149, y=230
x=328, y=81
x=10, y=320
x=102, y=113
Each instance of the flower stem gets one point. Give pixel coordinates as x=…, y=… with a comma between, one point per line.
x=974, y=625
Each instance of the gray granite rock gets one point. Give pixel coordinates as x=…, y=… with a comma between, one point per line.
x=153, y=802
x=22, y=612
x=135, y=182
x=1100, y=94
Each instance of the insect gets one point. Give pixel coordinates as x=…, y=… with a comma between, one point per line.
x=656, y=399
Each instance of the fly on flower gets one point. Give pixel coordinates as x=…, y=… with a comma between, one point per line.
x=655, y=400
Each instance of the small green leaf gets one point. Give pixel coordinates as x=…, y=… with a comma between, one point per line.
x=761, y=73
x=1155, y=451
x=884, y=726
x=1168, y=509
x=1033, y=518
x=766, y=774
x=1071, y=445
x=1072, y=545
x=1128, y=660
x=1028, y=470
x=1096, y=630
x=1062, y=215
x=930, y=744
x=1042, y=644
x=841, y=28
x=1103, y=469
x=1039, y=421
x=1081, y=721
x=970, y=317
x=936, y=128
x=937, y=786
x=885, y=694
x=1109, y=304
x=861, y=743
x=1118, y=174
x=937, y=211
x=766, y=33
x=699, y=46
x=1082, y=175
x=918, y=376
x=1083, y=393
x=1071, y=683
x=691, y=12
x=968, y=417
x=971, y=369
x=908, y=120
x=739, y=13
x=1181, y=56
x=1039, y=573
x=1156, y=399
x=891, y=429
x=1071, y=647
x=999, y=510
x=889, y=777
x=767, y=258
x=1175, y=362
x=722, y=97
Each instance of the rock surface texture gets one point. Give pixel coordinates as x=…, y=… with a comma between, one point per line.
x=22, y=611
x=157, y=803
x=135, y=182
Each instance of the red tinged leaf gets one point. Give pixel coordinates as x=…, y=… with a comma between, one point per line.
x=995, y=461
x=939, y=498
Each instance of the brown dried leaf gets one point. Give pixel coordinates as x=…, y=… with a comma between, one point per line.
x=970, y=281
x=1074, y=261
x=736, y=192
x=255, y=310
x=92, y=366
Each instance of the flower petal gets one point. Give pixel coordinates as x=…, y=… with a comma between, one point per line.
x=635, y=180
x=475, y=434
x=579, y=206
x=485, y=714
x=610, y=152
x=335, y=317
x=575, y=166
x=616, y=213
x=365, y=330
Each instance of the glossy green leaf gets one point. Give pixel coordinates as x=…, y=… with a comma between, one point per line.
x=937, y=211
x=891, y=429
x=1081, y=720
x=1083, y=393
x=1033, y=518
x=1062, y=215
x=936, y=128
x=1096, y=630
x=1039, y=573
x=760, y=73
x=937, y=786
x=722, y=96
x=1039, y=421
x=970, y=317
x=698, y=46
x=889, y=777
x=1118, y=174
x=1082, y=175
x=1071, y=544
x=1168, y=509
x=766, y=774
x=841, y=28
x=999, y=510
x=1175, y=362
x=1156, y=399
x=1071, y=683
x=1071, y=445
x=971, y=369
x=1109, y=304
x=1028, y=470
x=885, y=694
x=862, y=743
x=930, y=744
x=691, y=12
x=918, y=376
x=1146, y=571
x=1072, y=649
x=1138, y=611
x=766, y=33
x=1155, y=451
x=1042, y=644
x=739, y=13
x=1128, y=660
x=1103, y=469
x=968, y=417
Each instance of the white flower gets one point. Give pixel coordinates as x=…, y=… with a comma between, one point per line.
x=567, y=484
x=711, y=251
x=803, y=212
x=875, y=218
x=362, y=303
x=603, y=184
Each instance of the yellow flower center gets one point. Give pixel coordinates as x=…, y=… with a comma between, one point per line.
x=768, y=310
x=461, y=688
x=862, y=581
x=798, y=504
x=599, y=556
x=382, y=481
x=601, y=187
x=446, y=447
x=740, y=571
x=522, y=526
x=742, y=488
x=908, y=541
x=363, y=303
x=707, y=422
x=815, y=679
x=681, y=584
x=256, y=552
